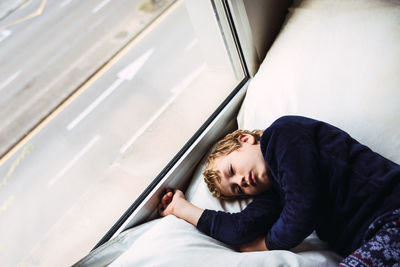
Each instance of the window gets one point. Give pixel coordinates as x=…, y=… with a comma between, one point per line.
x=74, y=175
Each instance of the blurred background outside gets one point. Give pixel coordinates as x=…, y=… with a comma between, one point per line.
x=96, y=97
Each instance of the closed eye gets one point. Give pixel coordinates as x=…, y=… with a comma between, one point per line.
x=239, y=190
x=232, y=172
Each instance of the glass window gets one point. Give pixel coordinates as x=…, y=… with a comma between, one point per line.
x=76, y=173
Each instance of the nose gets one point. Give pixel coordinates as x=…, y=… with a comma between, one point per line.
x=241, y=180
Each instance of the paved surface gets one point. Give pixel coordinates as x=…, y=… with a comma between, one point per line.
x=46, y=185
x=43, y=65
x=62, y=191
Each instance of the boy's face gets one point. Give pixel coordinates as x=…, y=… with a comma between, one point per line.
x=243, y=171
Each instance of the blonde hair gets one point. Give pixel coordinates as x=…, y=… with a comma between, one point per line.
x=224, y=147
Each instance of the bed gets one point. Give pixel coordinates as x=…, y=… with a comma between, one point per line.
x=337, y=61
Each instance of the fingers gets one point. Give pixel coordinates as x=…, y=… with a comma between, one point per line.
x=167, y=198
x=165, y=201
x=162, y=207
x=161, y=210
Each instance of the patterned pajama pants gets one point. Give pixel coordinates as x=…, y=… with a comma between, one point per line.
x=381, y=246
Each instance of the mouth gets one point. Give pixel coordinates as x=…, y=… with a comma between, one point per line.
x=252, y=179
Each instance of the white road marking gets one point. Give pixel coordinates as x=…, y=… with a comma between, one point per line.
x=130, y=71
x=126, y=74
x=191, y=44
x=100, y=6
x=73, y=161
x=4, y=34
x=65, y=2
x=92, y=106
x=176, y=90
x=9, y=80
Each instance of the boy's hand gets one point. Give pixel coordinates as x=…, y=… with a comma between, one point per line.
x=174, y=202
x=257, y=244
x=169, y=202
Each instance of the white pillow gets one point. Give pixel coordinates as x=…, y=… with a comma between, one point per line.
x=336, y=61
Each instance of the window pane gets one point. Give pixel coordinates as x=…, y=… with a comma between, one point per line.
x=65, y=187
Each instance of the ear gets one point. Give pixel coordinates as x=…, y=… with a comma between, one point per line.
x=247, y=138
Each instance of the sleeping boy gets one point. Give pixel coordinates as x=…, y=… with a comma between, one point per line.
x=303, y=175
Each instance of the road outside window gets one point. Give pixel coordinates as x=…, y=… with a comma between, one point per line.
x=96, y=97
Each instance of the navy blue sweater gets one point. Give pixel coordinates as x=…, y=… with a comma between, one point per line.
x=323, y=180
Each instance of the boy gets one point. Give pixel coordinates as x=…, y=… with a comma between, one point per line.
x=305, y=175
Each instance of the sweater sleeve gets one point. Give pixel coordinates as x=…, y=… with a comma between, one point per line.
x=293, y=158
x=242, y=227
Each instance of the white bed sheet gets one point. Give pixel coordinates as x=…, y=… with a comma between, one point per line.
x=337, y=61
